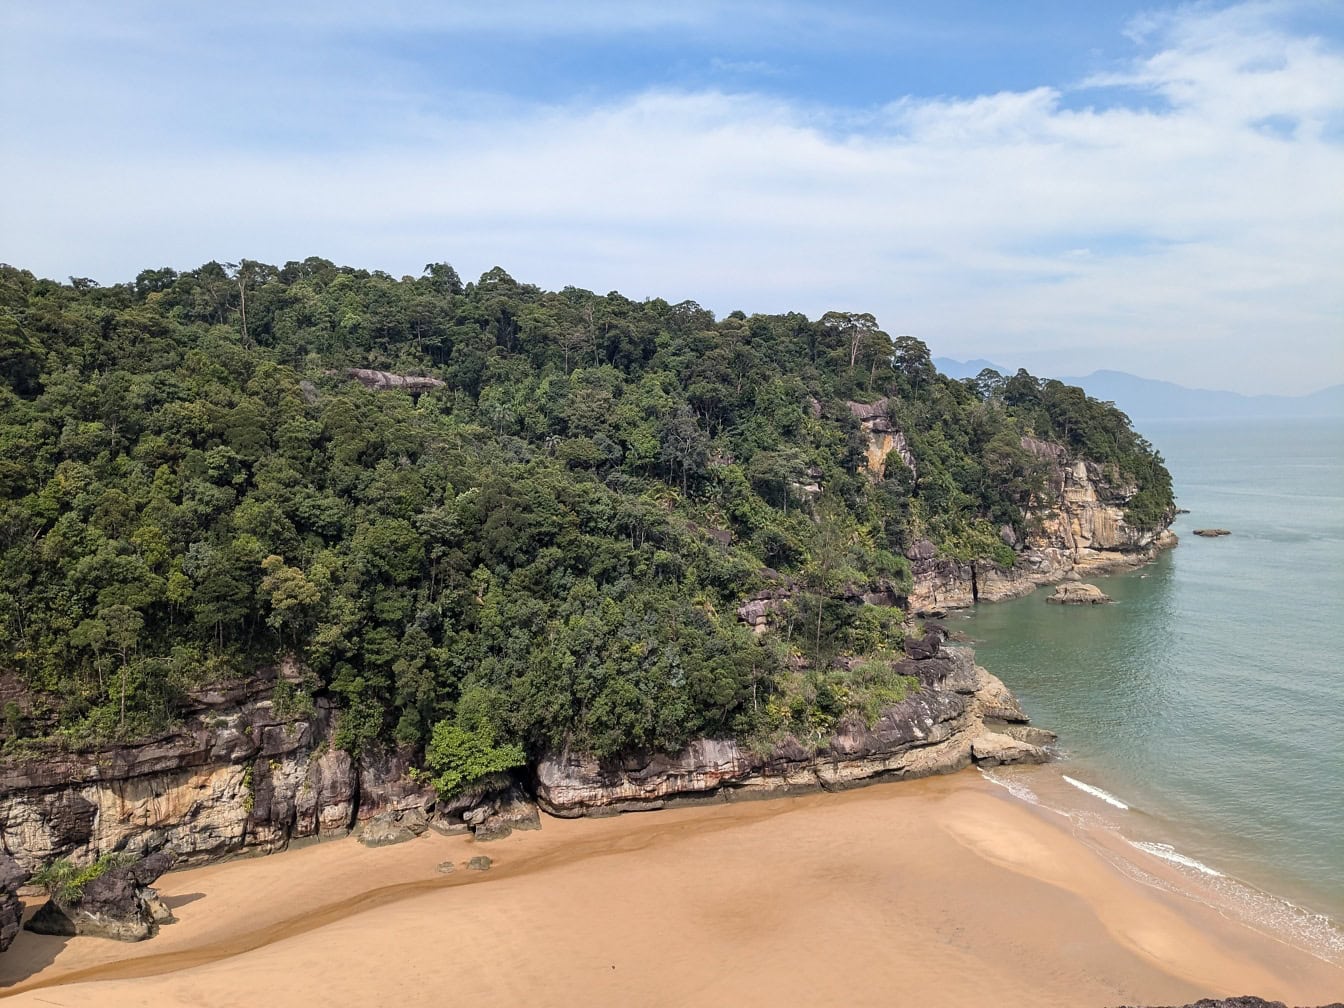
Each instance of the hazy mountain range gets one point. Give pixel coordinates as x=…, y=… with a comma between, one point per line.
x=1150, y=399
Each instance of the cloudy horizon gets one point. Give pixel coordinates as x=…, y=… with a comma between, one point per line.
x=1152, y=190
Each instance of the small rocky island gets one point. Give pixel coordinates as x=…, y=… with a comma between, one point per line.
x=1212, y=533
x=1076, y=593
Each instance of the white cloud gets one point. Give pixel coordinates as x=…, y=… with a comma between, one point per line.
x=1214, y=248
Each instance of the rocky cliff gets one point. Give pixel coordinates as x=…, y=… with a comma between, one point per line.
x=241, y=776
x=238, y=775
x=1076, y=528
x=961, y=715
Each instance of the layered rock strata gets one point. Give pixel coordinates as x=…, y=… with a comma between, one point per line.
x=240, y=775
x=1077, y=528
x=961, y=715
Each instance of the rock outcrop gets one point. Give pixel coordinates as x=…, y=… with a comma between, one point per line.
x=119, y=904
x=1078, y=527
x=955, y=719
x=11, y=910
x=382, y=380
x=1245, y=1001
x=1077, y=593
x=883, y=437
x=240, y=774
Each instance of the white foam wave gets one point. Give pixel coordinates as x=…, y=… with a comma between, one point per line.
x=1168, y=853
x=1015, y=788
x=1097, y=792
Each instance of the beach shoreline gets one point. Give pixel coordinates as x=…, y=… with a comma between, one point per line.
x=944, y=891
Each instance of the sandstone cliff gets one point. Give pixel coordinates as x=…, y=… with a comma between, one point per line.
x=1077, y=528
x=960, y=715
x=237, y=776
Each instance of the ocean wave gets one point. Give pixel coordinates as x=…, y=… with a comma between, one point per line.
x=1015, y=788
x=1168, y=853
x=1097, y=792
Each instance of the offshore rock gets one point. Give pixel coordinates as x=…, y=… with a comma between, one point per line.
x=1212, y=533
x=119, y=904
x=1076, y=593
x=11, y=910
x=940, y=728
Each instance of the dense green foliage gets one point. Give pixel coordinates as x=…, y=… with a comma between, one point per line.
x=65, y=881
x=552, y=546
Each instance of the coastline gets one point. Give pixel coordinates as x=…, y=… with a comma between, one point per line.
x=943, y=891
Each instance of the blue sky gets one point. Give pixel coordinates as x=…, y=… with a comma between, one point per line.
x=1153, y=188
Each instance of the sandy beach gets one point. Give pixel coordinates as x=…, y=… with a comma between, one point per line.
x=938, y=892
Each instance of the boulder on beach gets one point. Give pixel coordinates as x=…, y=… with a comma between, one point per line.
x=118, y=903
x=1079, y=594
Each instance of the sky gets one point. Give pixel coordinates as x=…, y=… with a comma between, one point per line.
x=1061, y=186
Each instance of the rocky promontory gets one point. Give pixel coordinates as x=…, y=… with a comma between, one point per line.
x=961, y=715
x=242, y=775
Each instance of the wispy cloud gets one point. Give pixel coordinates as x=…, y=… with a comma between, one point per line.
x=1184, y=240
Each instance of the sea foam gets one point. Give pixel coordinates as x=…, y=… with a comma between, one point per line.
x=1015, y=788
x=1168, y=853
x=1097, y=792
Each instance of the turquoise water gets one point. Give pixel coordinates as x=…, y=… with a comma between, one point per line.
x=1210, y=698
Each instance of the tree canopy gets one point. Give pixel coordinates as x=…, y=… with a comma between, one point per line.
x=548, y=550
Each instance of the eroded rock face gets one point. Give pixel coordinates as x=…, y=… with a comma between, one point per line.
x=11, y=910
x=1078, y=527
x=883, y=437
x=119, y=904
x=940, y=728
x=239, y=775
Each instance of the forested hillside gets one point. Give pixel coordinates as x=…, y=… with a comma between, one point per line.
x=545, y=547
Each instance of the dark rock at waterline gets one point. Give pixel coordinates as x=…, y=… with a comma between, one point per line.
x=118, y=904
x=1245, y=1001
x=1212, y=533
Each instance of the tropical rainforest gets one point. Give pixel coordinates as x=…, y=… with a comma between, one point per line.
x=544, y=547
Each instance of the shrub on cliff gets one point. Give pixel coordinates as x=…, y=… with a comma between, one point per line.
x=460, y=757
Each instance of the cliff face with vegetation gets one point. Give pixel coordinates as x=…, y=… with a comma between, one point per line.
x=477, y=525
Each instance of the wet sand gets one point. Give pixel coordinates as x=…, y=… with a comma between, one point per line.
x=945, y=892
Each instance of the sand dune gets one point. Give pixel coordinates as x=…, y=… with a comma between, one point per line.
x=939, y=892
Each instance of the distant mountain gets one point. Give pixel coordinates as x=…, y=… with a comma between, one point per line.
x=1150, y=399
x=968, y=369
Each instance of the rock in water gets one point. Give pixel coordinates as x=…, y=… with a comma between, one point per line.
x=1211, y=533
x=120, y=904
x=1079, y=594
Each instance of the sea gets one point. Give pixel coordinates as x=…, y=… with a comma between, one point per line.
x=1201, y=717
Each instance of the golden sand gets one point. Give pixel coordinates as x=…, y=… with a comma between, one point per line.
x=943, y=892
